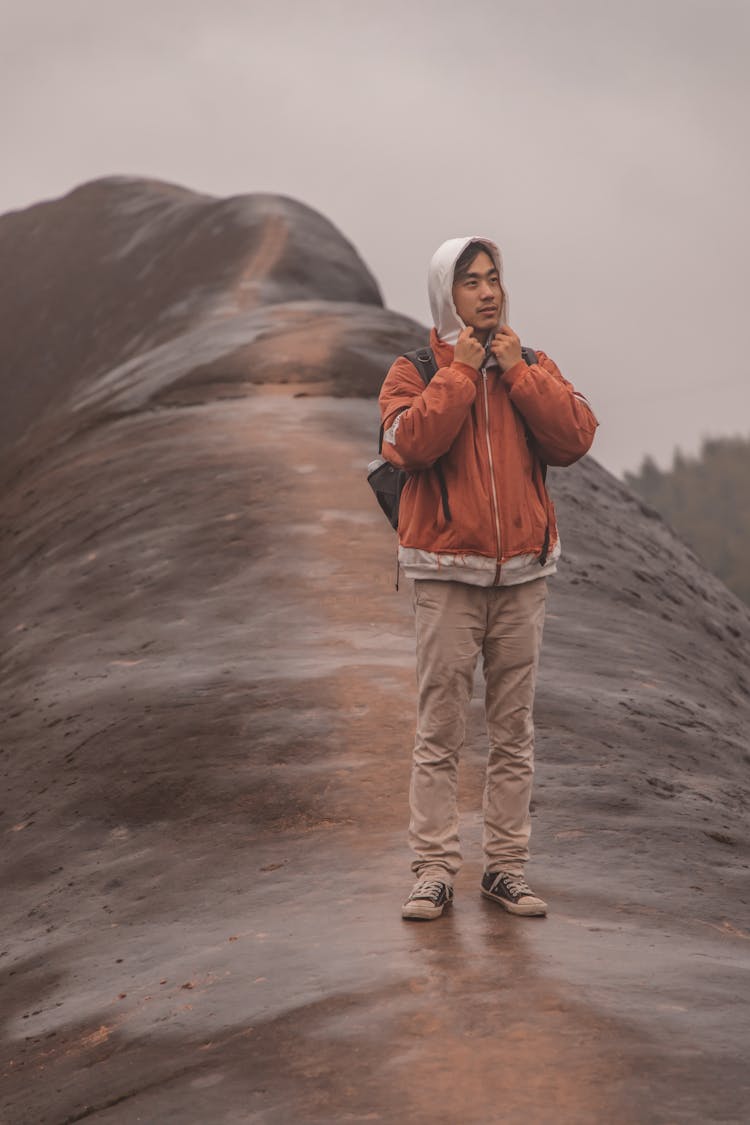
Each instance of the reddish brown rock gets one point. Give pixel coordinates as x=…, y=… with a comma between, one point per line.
x=208, y=695
x=121, y=266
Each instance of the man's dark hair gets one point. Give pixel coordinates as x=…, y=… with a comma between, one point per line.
x=467, y=256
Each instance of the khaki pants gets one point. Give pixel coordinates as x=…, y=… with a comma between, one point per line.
x=454, y=623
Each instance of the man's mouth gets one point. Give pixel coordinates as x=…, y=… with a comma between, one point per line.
x=488, y=309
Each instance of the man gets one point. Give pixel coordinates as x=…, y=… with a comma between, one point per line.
x=478, y=535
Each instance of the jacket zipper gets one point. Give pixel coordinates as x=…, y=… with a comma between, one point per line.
x=492, y=471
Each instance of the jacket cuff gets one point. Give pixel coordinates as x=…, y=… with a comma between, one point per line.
x=467, y=369
x=514, y=373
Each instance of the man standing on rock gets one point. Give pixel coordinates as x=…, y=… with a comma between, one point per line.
x=478, y=535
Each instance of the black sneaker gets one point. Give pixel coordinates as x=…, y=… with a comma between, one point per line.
x=513, y=893
x=429, y=897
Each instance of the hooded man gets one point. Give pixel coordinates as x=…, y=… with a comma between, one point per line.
x=478, y=535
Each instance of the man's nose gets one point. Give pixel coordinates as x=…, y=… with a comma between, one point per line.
x=485, y=290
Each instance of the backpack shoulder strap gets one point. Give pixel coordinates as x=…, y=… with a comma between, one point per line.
x=426, y=364
x=530, y=356
x=424, y=361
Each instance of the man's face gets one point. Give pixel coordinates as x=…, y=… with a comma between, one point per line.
x=478, y=295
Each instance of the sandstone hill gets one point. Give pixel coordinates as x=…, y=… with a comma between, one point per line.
x=122, y=274
x=208, y=710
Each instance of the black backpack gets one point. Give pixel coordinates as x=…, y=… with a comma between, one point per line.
x=386, y=481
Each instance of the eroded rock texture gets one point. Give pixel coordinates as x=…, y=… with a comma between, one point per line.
x=208, y=711
x=132, y=272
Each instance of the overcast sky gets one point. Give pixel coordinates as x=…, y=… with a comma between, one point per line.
x=604, y=145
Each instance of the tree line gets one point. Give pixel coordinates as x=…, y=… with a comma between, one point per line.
x=706, y=499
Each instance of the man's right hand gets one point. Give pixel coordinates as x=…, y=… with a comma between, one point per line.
x=469, y=350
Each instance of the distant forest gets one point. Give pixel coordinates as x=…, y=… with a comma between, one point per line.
x=706, y=500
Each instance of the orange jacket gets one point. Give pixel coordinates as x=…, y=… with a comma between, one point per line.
x=491, y=432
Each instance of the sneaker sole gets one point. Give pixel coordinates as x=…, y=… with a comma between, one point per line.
x=422, y=911
x=528, y=911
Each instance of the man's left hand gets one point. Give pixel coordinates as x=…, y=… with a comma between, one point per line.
x=506, y=348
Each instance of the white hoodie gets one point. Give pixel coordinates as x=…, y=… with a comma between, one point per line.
x=440, y=284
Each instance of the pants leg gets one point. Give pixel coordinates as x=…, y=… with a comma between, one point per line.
x=450, y=622
x=511, y=657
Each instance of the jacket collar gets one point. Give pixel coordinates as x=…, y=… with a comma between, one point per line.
x=444, y=352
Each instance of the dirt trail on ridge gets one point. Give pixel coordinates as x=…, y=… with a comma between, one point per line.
x=206, y=831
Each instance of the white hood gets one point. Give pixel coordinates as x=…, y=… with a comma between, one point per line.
x=448, y=323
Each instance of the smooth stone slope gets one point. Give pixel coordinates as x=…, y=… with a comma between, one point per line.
x=122, y=265
x=208, y=713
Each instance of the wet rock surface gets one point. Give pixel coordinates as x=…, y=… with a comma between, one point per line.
x=121, y=266
x=208, y=712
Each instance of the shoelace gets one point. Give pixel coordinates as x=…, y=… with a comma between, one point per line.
x=428, y=888
x=517, y=886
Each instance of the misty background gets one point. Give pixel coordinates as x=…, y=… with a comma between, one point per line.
x=604, y=146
